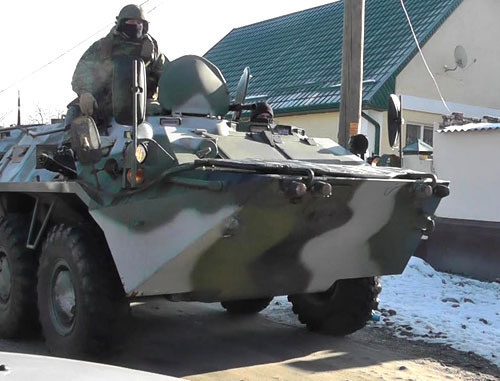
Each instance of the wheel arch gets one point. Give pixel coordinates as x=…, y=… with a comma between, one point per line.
x=68, y=209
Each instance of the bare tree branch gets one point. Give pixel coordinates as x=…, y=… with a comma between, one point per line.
x=41, y=115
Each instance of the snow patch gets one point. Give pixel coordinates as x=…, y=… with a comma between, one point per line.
x=280, y=311
x=424, y=304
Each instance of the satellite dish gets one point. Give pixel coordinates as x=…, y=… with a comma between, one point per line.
x=460, y=57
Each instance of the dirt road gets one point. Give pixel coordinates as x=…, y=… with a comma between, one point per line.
x=199, y=342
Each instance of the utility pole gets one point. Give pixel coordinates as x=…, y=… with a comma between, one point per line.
x=352, y=69
x=18, y=107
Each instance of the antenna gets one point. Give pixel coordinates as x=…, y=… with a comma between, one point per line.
x=18, y=107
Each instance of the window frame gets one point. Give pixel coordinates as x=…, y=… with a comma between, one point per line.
x=422, y=126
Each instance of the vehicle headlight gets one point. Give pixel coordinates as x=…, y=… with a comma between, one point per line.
x=139, y=176
x=141, y=153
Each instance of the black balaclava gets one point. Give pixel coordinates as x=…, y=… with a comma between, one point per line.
x=132, y=31
x=263, y=113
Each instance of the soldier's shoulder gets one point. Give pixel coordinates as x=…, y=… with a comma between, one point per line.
x=147, y=35
x=104, y=46
x=151, y=40
x=96, y=44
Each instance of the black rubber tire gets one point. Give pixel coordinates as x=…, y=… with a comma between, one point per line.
x=100, y=304
x=343, y=309
x=18, y=311
x=247, y=306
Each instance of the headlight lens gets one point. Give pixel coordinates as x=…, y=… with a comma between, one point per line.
x=139, y=176
x=140, y=153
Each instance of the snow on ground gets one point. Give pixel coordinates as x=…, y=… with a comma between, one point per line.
x=425, y=304
x=280, y=310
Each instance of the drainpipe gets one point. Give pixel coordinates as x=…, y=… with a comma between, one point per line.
x=377, y=131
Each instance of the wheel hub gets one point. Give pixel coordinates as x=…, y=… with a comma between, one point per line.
x=63, y=298
x=5, y=278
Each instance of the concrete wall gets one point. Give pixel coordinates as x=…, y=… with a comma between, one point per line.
x=470, y=161
x=417, y=163
x=470, y=248
x=479, y=84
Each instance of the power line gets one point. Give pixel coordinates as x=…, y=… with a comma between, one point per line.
x=54, y=60
x=68, y=51
x=5, y=114
x=423, y=57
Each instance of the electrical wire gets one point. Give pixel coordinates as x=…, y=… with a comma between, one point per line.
x=5, y=114
x=54, y=60
x=68, y=51
x=423, y=57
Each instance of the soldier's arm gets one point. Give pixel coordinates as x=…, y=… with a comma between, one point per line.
x=154, y=77
x=160, y=63
x=83, y=78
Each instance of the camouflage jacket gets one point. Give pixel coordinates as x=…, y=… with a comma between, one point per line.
x=94, y=71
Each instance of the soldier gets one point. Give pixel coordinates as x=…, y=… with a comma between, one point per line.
x=263, y=113
x=358, y=144
x=92, y=79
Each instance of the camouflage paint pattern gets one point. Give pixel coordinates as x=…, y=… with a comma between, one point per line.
x=252, y=240
x=246, y=220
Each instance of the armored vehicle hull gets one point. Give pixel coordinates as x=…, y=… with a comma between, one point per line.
x=235, y=234
x=186, y=206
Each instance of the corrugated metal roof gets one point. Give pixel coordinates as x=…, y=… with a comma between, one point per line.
x=296, y=59
x=471, y=127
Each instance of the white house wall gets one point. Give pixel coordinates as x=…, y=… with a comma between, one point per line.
x=471, y=25
x=325, y=125
x=368, y=129
x=321, y=125
x=470, y=161
x=475, y=91
x=437, y=107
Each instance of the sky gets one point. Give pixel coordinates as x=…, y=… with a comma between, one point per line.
x=37, y=32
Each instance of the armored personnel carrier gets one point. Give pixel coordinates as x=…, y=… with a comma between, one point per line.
x=182, y=204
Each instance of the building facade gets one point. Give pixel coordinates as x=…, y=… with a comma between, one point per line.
x=296, y=59
x=467, y=235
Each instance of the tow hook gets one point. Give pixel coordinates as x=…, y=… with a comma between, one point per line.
x=430, y=226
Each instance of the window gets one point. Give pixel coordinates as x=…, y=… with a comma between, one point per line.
x=412, y=133
x=416, y=131
x=428, y=135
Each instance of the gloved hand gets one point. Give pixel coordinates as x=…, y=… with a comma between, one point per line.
x=87, y=103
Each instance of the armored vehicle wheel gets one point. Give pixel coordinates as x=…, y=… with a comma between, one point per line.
x=80, y=296
x=248, y=306
x=343, y=309
x=18, y=312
